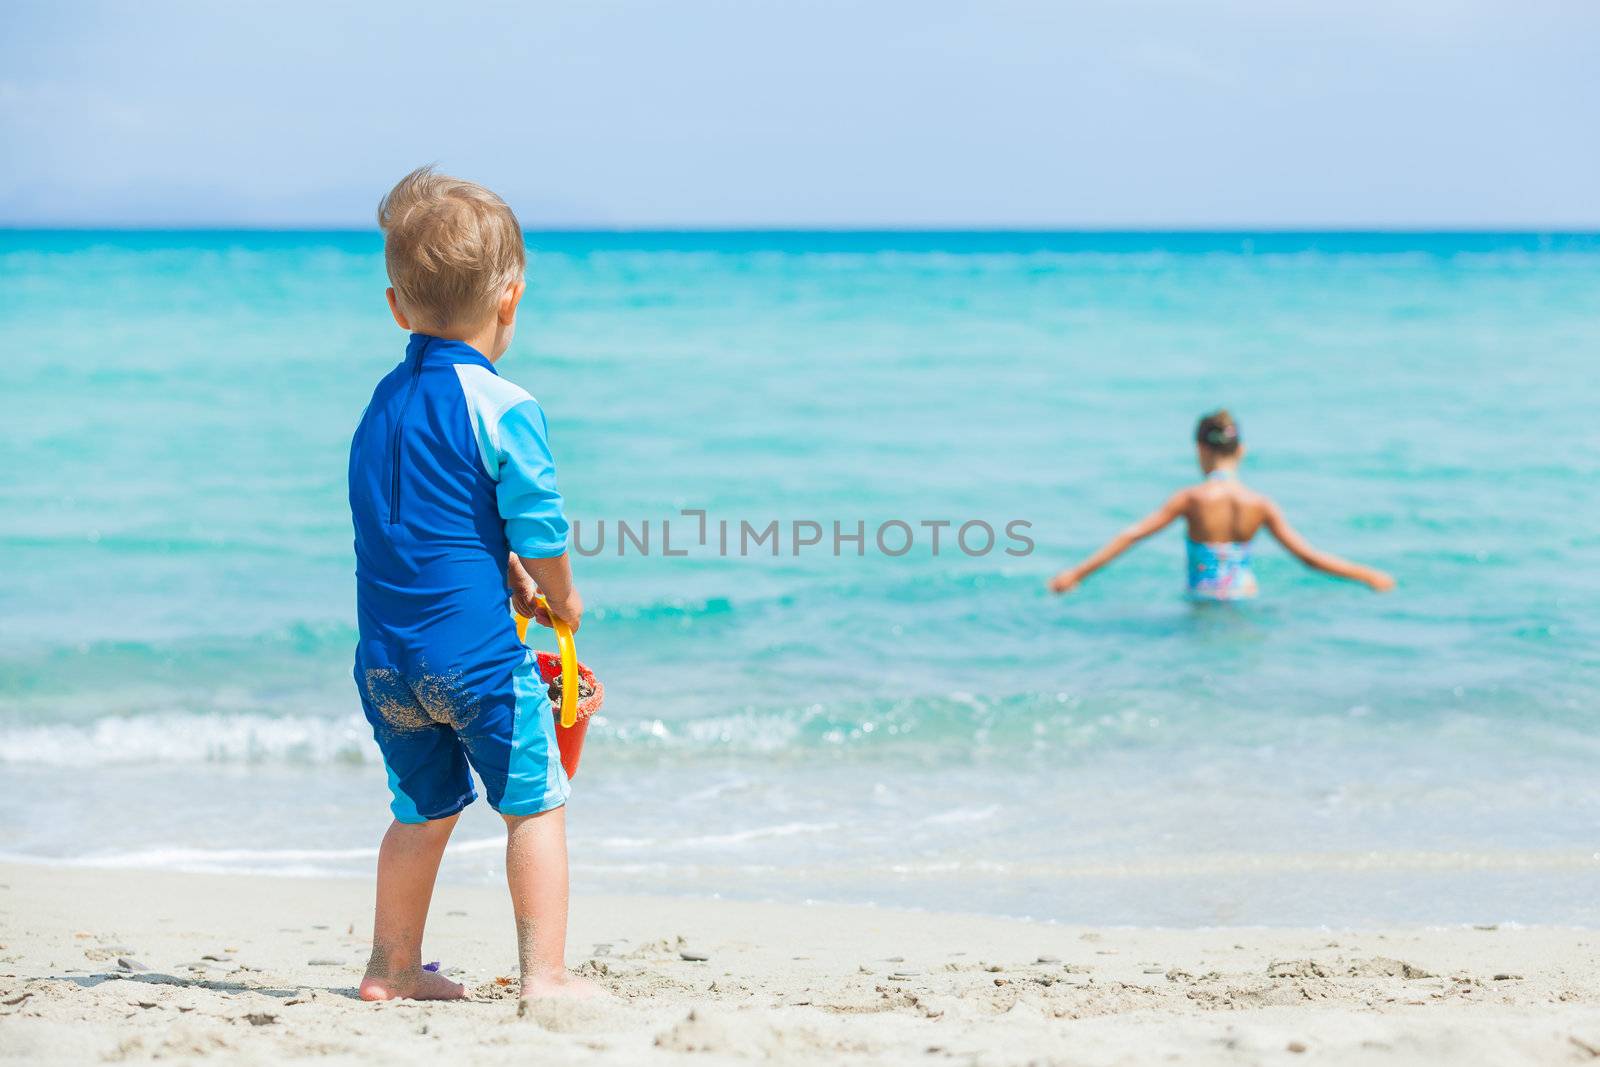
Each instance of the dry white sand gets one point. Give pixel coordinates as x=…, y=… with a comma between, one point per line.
x=264, y=970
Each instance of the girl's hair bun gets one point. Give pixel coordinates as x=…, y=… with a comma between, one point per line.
x=1218, y=432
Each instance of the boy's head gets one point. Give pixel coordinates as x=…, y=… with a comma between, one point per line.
x=1217, y=437
x=455, y=257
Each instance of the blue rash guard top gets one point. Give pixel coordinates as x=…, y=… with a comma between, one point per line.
x=450, y=470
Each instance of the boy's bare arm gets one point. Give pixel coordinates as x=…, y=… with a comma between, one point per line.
x=1326, y=562
x=552, y=577
x=1157, y=520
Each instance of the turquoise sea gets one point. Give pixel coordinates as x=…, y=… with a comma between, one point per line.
x=932, y=731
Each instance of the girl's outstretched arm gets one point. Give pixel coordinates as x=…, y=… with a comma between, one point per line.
x=1158, y=519
x=1300, y=548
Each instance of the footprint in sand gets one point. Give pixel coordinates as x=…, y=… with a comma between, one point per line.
x=561, y=1015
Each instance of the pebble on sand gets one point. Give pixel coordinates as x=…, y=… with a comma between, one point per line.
x=325, y=961
x=693, y=957
x=127, y=963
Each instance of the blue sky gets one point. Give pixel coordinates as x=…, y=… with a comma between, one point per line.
x=753, y=113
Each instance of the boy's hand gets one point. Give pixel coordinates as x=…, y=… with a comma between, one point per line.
x=1379, y=581
x=569, y=612
x=524, y=591
x=525, y=601
x=553, y=575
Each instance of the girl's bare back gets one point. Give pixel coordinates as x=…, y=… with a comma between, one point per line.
x=1223, y=510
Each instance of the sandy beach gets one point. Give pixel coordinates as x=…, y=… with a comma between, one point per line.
x=127, y=966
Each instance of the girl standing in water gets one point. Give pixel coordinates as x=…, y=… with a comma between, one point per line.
x=1222, y=516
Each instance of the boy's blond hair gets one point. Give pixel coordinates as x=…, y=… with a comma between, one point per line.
x=451, y=247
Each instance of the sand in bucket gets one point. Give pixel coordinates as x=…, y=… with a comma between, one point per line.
x=591, y=694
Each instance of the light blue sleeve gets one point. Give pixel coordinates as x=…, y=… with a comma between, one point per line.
x=528, y=499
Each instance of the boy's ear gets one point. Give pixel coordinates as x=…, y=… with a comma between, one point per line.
x=509, y=301
x=394, y=309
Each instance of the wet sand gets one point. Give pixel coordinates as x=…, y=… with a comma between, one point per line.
x=128, y=966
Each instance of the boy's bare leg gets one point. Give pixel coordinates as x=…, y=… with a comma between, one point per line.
x=536, y=871
x=407, y=865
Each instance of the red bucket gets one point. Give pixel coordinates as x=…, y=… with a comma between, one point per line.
x=570, y=738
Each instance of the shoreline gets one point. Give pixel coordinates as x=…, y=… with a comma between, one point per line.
x=1081, y=888
x=797, y=983
x=115, y=866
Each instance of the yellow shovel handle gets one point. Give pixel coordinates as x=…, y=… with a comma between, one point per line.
x=569, y=664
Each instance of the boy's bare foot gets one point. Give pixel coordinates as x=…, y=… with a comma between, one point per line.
x=418, y=985
x=565, y=985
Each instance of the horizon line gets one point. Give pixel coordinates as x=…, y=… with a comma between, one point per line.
x=1565, y=229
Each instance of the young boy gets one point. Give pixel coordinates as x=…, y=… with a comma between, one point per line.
x=1222, y=517
x=453, y=495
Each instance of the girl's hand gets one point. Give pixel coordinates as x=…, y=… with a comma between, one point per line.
x=1379, y=581
x=1064, y=582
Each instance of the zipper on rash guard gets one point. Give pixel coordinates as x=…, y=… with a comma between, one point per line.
x=394, y=453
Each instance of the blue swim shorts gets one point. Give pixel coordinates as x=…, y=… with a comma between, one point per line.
x=431, y=726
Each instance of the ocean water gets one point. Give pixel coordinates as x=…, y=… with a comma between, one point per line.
x=921, y=730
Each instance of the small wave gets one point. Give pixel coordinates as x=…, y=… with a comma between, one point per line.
x=959, y=816
x=658, y=610
x=951, y=729
x=190, y=858
x=186, y=738
x=263, y=863
x=955, y=725
x=1246, y=864
x=290, y=862
x=735, y=837
x=308, y=863
x=759, y=833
